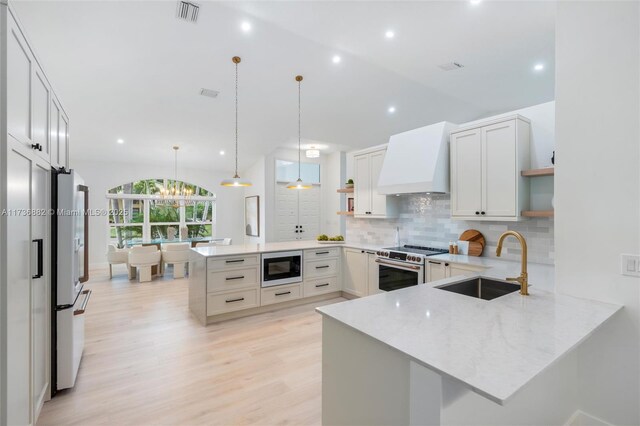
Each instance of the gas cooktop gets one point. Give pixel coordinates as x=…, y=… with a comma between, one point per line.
x=410, y=253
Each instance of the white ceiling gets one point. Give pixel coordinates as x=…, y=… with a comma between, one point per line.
x=131, y=70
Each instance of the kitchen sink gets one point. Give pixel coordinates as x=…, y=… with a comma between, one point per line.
x=481, y=288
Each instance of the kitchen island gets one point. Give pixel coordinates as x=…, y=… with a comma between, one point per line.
x=422, y=355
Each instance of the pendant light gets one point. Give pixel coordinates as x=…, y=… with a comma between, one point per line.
x=236, y=180
x=299, y=184
x=174, y=193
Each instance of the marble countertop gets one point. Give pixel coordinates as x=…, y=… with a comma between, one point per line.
x=494, y=347
x=234, y=250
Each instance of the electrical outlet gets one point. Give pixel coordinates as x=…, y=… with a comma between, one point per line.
x=630, y=265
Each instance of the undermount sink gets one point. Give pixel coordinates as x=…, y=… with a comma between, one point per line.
x=481, y=288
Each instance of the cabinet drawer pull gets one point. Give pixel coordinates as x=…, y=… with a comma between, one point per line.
x=434, y=263
x=322, y=267
x=322, y=285
x=477, y=212
x=318, y=253
x=235, y=278
x=239, y=299
x=283, y=293
x=235, y=261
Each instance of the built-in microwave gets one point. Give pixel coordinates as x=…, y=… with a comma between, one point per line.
x=283, y=267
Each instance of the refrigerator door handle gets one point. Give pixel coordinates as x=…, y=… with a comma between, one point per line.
x=83, y=307
x=85, y=272
x=71, y=305
x=40, y=255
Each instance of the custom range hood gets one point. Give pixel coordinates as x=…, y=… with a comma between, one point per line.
x=417, y=161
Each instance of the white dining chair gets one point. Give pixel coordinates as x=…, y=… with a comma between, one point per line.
x=141, y=260
x=116, y=256
x=176, y=254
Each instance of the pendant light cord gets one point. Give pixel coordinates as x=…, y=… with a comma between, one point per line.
x=299, y=127
x=236, y=119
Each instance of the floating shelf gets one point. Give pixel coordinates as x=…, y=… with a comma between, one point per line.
x=345, y=191
x=345, y=213
x=537, y=213
x=549, y=171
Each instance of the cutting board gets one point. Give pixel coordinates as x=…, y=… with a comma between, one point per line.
x=476, y=241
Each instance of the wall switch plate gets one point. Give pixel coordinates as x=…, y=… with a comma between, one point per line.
x=630, y=265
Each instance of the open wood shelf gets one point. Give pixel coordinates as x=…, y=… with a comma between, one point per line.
x=345, y=213
x=537, y=213
x=345, y=190
x=548, y=171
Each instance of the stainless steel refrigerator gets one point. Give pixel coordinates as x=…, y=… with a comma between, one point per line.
x=70, y=254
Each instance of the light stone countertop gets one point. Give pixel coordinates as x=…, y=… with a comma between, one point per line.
x=234, y=250
x=493, y=347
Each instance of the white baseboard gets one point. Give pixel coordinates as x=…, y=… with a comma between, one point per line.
x=580, y=418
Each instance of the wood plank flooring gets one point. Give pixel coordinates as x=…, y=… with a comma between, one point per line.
x=147, y=361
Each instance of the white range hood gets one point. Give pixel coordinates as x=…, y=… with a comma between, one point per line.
x=417, y=161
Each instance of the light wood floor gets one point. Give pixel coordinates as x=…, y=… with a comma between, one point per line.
x=147, y=361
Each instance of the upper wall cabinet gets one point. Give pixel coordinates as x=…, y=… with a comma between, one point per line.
x=34, y=117
x=368, y=202
x=486, y=160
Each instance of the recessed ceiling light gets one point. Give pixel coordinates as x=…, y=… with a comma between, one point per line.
x=336, y=59
x=538, y=67
x=221, y=152
x=475, y=2
x=120, y=141
x=391, y=109
x=245, y=26
x=389, y=34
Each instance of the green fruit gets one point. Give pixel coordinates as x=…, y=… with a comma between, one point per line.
x=323, y=237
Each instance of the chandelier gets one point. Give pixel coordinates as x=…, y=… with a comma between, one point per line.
x=175, y=193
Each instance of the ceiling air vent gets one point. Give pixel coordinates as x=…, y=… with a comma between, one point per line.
x=187, y=11
x=209, y=93
x=450, y=66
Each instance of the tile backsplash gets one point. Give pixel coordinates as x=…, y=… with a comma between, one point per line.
x=426, y=220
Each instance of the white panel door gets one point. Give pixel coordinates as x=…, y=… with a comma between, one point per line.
x=40, y=286
x=19, y=271
x=466, y=173
x=499, y=172
x=63, y=141
x=40, y=123
x=362, y=185
x=286, y=213
x=19, y=71
x=54, y=133
x=355, y=272
x=373, y=276
x=436, y=270
x=309, y=212
x=378, y=202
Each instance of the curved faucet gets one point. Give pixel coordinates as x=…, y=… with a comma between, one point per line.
x=523, y=278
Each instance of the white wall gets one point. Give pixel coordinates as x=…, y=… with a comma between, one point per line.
x=256, y=174
x=102, y=176
x=597, y=187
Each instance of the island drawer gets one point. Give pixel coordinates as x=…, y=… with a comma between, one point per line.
x=280, y=293
x=320, y=268
x=233, y=301
x=232, y=279
x=321, y=253
x=231, y=262
x=320, y=286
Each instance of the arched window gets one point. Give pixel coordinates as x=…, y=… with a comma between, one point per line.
x=139, y=212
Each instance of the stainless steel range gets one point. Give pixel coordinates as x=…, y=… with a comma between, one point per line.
x=400, y=267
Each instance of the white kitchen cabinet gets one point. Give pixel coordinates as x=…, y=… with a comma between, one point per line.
x=369, y=203
x=486, y=160
x=59, y=135
x=19, y=72
x=41, y=106
x=360, y=272
x=459, y=269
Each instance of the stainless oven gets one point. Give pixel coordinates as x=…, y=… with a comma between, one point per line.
x=283, y=267
x=395, y=274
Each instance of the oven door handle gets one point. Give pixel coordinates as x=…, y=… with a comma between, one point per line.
x=395, y=265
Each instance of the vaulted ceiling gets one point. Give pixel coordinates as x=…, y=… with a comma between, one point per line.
x=131, y=70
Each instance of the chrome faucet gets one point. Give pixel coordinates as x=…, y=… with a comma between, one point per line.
x=523, y=278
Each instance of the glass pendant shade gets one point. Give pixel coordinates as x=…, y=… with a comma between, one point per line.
x=313, y=153
x=299, y=184
x=236, y=181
